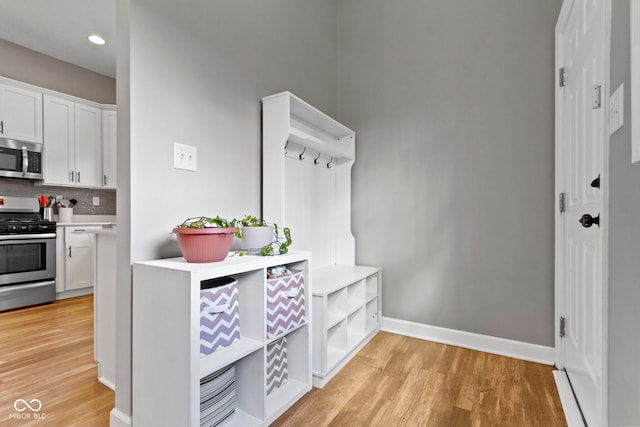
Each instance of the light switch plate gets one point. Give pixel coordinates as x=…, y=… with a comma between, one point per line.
x=616, y=110
x=96, y=201
x=184, y=156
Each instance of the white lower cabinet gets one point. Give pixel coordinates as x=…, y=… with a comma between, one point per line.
x=167, y=365
x=80, y=255
x=346, y=307
x=75, y=263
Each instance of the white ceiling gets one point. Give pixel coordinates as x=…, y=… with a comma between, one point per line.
x=59, y=28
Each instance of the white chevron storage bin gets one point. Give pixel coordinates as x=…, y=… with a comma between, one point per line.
x=285, y=304
x=175, y=384
x=276, y=364
x=219, y=314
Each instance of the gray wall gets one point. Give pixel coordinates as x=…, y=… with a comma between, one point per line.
x=26, y=65
x=624, y=243
x=196, y=73
x=453, y=187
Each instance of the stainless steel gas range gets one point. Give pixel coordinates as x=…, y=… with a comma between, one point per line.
x=27, y=254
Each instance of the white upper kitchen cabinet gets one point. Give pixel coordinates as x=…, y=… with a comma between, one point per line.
x=72, y=143
x=109, y=140
x=20, y=114
x=88, y=146
x=59, y=137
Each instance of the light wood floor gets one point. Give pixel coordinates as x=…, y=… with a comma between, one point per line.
x=401, y=381
x=46, y=353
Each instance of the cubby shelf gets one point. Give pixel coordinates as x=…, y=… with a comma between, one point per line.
x=348, y=297
x=167, y=365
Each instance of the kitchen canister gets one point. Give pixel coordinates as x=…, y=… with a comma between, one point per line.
x=47, y=214
x=65, y=214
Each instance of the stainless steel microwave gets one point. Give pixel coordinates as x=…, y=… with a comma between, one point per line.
x=20, y=159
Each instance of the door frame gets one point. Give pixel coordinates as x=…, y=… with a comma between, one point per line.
x=559, y=285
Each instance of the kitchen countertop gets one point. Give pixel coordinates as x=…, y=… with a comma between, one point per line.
x=103, y=232
x=103, y=220
x=70, y=224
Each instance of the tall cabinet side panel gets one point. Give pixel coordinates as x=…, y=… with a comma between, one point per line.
x=163, y=353
x=275, y=131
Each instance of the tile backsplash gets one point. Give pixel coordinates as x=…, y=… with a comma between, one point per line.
x=84, y=196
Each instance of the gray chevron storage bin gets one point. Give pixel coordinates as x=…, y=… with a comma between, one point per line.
x=276, y=364
x=219, y=314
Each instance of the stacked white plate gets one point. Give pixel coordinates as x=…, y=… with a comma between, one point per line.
x=217, y=396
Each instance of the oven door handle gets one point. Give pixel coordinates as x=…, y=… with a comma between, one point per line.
x=17, y=238
x=12, y=288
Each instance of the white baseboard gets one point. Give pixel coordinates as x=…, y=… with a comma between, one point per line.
x=106, y=382
x=74, y=293
x=119, y=419
x=568, y=400
x=504, y=347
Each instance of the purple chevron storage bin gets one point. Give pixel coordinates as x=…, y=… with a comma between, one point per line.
x=277, y=373
x=219, y=314
x=285, y=304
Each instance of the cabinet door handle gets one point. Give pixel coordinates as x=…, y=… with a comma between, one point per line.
x=71, y=176
x=78, y=173
x=104, y=177
x=69, y=251
x=2, y=127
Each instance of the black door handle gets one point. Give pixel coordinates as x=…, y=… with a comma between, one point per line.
x=596, y=182
x=587, y=220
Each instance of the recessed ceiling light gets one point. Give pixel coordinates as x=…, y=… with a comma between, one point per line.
x=96, y=39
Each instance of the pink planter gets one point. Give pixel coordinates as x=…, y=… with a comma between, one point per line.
x=204, y=244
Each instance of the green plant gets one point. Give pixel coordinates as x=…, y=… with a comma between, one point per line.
x=206, y=222
x=283, y=247
x=267, y=250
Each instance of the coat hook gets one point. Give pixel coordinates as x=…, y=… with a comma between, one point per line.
x=301, y=154
x=329, y=164
x=315, y=161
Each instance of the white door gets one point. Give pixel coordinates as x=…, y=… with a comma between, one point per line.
x=582, y=175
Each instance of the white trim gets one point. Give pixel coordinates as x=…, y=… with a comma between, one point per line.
x=119, y=419
x=501, y=346
x=106, y=382
x=567, y=5
x=635, y=80
x=569, y=405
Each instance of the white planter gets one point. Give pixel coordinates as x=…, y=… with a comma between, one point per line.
x=256, y=237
